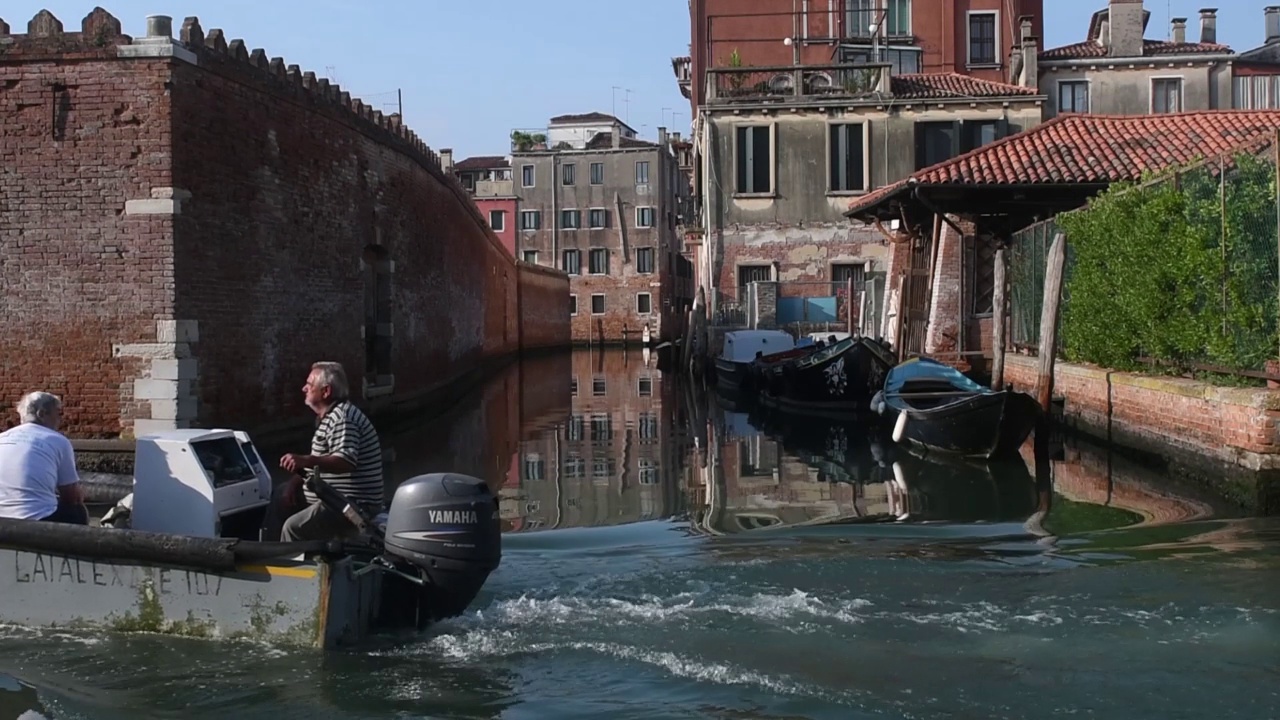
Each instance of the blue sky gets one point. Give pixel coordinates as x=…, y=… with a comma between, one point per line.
x=471, y=71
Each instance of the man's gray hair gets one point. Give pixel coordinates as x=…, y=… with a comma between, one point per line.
x=35, y=407
x=334, y=377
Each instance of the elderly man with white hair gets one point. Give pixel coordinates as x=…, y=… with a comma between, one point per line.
x=38, y=479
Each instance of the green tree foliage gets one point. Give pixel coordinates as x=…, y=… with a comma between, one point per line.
x=1150, y=275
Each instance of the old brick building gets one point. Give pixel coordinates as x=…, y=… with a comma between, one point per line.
x=603, y=207
x=187, y=224
x=487, y=178
x=797, y=113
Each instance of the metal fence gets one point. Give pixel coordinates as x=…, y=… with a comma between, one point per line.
x=804, y=307
x=1179, y=271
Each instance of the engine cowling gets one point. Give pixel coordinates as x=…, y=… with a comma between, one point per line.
x=446, y=526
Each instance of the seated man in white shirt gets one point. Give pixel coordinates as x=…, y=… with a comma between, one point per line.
x=38, y=479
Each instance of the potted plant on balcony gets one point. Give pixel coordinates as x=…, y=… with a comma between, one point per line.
x=738, y=78
x=524, y=142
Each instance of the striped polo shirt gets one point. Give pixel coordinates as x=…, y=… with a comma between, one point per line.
x=345, y=430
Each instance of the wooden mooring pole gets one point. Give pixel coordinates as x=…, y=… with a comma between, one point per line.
x=1049, y=320
x=999, y=317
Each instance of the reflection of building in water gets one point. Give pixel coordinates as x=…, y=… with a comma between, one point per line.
x=752, y=481
x=612, y=460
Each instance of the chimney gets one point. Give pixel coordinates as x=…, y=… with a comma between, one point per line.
x=159, y=26
x=1272, y=15
x=1125, y=24
x=1029, y=69
x=662, y=137
x=446, y=159
x=1179, y=30
x=885, y=86
x=1209, y=25
x=617, y=135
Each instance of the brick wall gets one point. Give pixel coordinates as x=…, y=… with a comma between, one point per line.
x=544, y=307
x=944, y=305
x=80, y=138
x=1236, y=425
x=196, y=224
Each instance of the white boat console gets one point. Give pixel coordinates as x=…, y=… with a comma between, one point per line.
x=189, y=482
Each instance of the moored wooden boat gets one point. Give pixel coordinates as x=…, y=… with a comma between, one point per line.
x=834, y=381
x=741, y=347
x=937, y=407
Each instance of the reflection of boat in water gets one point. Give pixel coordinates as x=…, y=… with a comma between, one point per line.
x=953, y=490
x=937, y=407
x=796, y=471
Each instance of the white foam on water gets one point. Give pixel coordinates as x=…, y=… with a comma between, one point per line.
x=650, y=610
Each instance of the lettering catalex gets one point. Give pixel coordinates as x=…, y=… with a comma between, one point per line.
x=59, y=569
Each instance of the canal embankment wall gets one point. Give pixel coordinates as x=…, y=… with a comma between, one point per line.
x=1232, y=425
x=188, y=224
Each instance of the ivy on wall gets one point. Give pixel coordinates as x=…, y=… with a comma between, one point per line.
x=1157, y=271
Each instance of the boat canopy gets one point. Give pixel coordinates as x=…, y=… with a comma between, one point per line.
x=741, y=346
x=921, y=370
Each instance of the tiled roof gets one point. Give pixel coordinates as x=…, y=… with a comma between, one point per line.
x=482, y=162
x=604, y=141
x=952, y=85
x=1150, y=48
x=591, y=117
x=1092, y=149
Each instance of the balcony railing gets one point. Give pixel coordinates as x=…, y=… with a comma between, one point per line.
x=494, y=188
x=754, y=84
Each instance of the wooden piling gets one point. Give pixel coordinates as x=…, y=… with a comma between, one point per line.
x=1049, y=320
x=999, y=319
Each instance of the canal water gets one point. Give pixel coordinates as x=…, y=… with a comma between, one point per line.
x=667, y=556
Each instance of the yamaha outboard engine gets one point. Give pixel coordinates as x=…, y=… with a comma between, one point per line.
x=446, y=526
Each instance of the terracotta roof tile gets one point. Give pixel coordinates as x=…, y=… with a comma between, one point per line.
x=1150, y=48
x=1092, y=149
x=482, y=162
x=604, y=141
x=952, y=85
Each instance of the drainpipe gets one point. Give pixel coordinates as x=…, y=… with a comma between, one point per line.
x=555, y=212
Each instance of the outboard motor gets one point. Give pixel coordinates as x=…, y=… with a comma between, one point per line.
x=445, y=525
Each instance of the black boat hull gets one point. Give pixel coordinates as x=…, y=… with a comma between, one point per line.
x=987, y=426
x=837, y=385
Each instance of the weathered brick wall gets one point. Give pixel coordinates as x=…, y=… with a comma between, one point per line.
x=196, y=224
x=544, y=307
x=290, y=183
x=85, y=281
x=1237, y=425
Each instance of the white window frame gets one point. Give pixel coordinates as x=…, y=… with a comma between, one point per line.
x=602, y=303
x=577, y=214
x=653, y=217
x=644, y=312
x=590, y=253
x=911, y=10
x=563, y=265
x=653, y=256
x=567, y=169
x=591, y=168
x=533, y=175
x=530, y=213
x=590, y=225
x=648, y=173
x=524, y=256
x=866, y=156
x=502, y=220
x=968, y=39
x=1182, y=93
